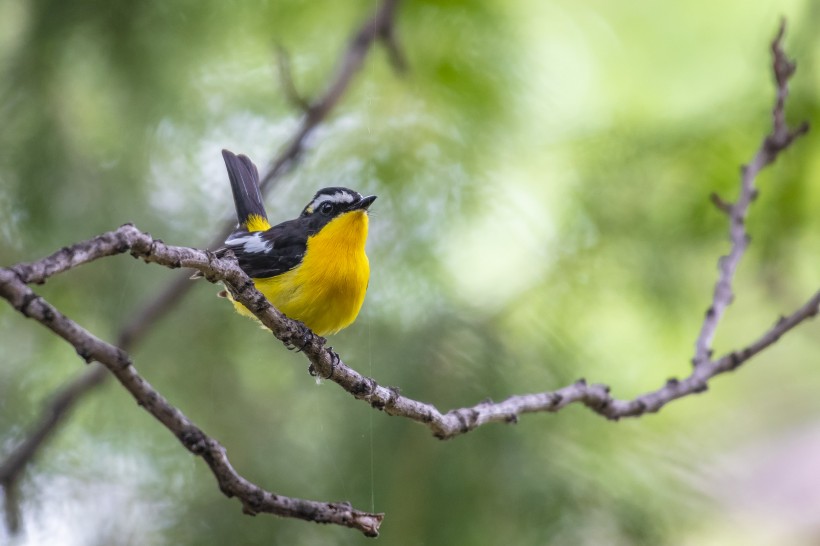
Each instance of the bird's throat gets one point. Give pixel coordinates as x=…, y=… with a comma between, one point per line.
x=343, y=235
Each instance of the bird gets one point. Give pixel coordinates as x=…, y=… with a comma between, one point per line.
x=313, y=268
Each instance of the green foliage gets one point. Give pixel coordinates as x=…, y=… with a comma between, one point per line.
x=543, y=174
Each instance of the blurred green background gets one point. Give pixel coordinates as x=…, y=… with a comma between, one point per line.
x=543, y=174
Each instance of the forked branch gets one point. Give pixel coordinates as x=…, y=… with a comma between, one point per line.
x=777, y=140
x=254, y=499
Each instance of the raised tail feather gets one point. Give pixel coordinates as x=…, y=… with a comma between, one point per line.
x=250, y=212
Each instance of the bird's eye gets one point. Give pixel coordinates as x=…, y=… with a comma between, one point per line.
x=326, y=208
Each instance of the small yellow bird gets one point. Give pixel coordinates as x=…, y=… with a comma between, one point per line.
x=312, y=268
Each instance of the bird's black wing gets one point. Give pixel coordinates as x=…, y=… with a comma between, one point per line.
x=263, y=254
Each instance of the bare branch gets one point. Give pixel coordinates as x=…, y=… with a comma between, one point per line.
x=781, y=136
x=53, y=414
x=253, y=498
x=286, y=77
x=722, y=205
x=387, y=34
x=380, y=25
x=596, y=396
x=775, y=142
x=57, y=407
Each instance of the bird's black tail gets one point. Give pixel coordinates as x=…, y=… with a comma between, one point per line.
x=250, y=212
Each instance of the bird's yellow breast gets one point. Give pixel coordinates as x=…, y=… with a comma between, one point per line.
x=326, y=290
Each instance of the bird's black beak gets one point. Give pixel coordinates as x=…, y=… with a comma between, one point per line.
x=363, y=203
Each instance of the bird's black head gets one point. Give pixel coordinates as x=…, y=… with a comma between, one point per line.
x=328, y=203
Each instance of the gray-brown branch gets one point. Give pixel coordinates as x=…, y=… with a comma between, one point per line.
x=254, y=499
x=379, y=27
x=59, y=405
x=780, y=137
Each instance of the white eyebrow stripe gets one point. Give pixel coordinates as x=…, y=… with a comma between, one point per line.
x=338, y=197
x=251, y=243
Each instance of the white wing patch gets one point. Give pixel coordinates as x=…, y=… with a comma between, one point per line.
x=250, y=242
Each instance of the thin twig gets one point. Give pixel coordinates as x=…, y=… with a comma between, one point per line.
x=379, y=26
x=286, y=77
x=141, y=322
x=780, y=137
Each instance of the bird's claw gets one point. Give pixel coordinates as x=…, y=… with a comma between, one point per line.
x=305, y=337
x=335, y=359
